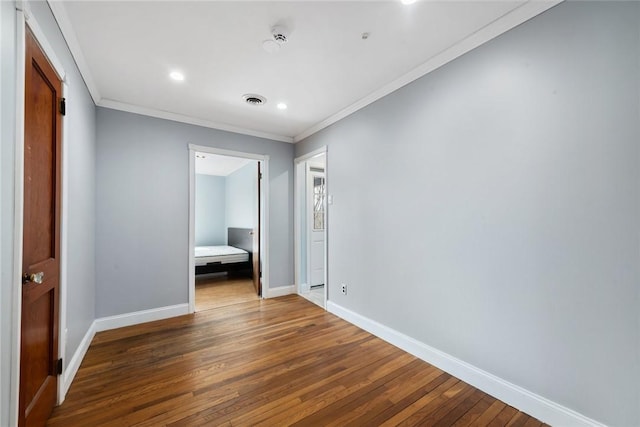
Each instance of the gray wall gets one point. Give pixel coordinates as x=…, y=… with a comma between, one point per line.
x=210, y=228
x=503, y=189
x=142, y=213
x=242, y=197
x=80, y=139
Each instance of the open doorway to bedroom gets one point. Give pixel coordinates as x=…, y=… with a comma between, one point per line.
x=225, y=223
x=311, y=227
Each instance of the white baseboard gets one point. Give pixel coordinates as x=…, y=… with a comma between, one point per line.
x=128, y=319
x=280, y=291
x=113, y=322
x=71, y=370
x=537, y=406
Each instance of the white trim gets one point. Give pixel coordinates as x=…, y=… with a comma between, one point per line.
x=279, y=291
x=326, y=226
x=51, y=56
x=311, y=154
x=152, y=112
x=308, y=206
x=192, y=230
x=300, y=188
x=3, y=410
x=61, y=17
x=64, y=248
x=506, y=22
x=231, y=153
x=73, y=365
x=537, y=406
x=45, y=46
x=137, y=317
x=264, y=224
x=297, y=224
x=18, y=201
x=264, y=213
x=499, y=26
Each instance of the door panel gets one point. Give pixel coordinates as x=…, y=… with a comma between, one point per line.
x=257, y=277
x=316, y=223
x=41, y=238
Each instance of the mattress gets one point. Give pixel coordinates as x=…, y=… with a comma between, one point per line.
x=220, y=254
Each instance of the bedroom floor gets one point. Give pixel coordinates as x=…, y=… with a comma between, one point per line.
x=215, y=291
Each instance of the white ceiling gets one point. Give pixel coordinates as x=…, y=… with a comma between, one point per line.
x=126, y=50
x=214, y=164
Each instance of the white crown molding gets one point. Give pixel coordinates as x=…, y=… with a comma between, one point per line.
x=61, y=17
x=535, y=405
x=122, y=106
x=506, y=22
x=501, y=25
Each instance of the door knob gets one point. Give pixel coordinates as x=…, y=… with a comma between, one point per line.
x=35, y=277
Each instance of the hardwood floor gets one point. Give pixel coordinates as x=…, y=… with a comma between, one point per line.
x=222, y=290
x=273, y=362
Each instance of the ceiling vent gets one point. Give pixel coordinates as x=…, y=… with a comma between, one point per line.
x=253, y=99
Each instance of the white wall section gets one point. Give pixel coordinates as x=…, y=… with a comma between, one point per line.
x=210, y=207
x=491, y=209
x=242, y=197
x=143, y=202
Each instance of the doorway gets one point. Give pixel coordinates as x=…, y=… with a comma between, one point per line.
x=227, y=239
x=311, y=227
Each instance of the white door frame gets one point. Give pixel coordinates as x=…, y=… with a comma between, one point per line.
x=264, y=214
x=25, y=18
x=300, y=188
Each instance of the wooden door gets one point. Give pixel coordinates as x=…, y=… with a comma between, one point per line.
x=41, y=238
x=257, y=277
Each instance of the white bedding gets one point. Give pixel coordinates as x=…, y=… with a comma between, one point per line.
x=222, y=254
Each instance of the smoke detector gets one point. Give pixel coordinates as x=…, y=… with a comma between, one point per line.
x=280, y=33
x=254, y=99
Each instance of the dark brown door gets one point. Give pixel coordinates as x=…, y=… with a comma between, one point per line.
x=257, y=283
x=41, y=238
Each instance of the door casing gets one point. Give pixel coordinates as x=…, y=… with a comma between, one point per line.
x=24, y=17
x=299, y=186
x=264, y=215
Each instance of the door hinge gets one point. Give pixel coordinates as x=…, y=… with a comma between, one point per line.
x=63, y=106
x=59, y=367
x=260, y=175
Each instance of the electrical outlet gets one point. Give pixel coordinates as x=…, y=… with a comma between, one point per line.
x=343, y=289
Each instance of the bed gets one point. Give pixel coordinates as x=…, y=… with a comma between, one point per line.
x=236, y=256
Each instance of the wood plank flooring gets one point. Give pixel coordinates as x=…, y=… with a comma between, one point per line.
x=222, y=290
x=273, y=362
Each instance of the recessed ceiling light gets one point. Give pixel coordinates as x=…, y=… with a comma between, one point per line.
x=177, y=76
x=281, y=106
x=408, y=1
